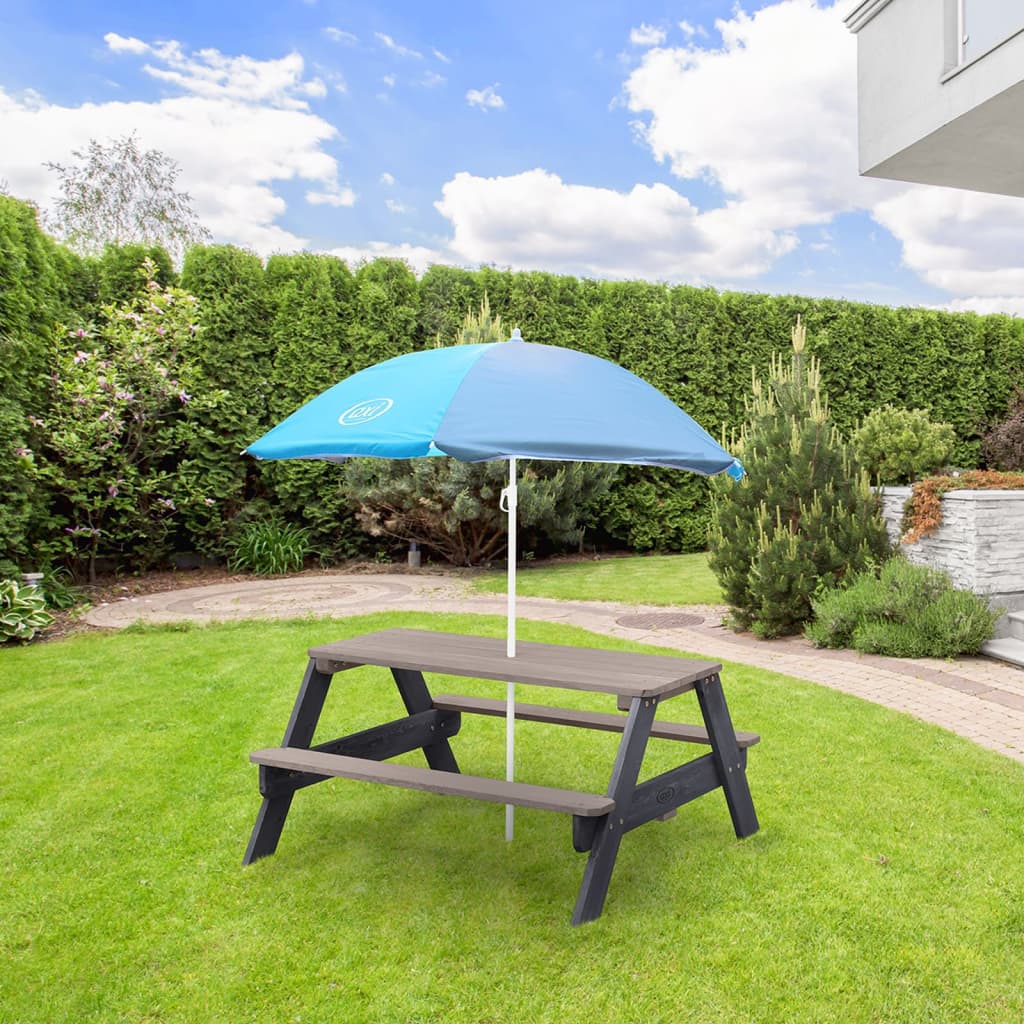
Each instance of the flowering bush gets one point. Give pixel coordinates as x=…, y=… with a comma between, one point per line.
x=109, y=444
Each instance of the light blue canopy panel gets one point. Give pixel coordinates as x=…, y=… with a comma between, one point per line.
x=497, y=401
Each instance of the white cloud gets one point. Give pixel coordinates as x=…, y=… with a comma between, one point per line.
x=690, y=30
x=339, y=35
x=431, y=79
x=441, y=57
x=1011, y=304
x=966, y=243
x=210, y=73
x=387, y=179
x=535, y=220
x=241, y=127
x=418, y=257
x=397, y=48
x=486, y=99
x=125, y=44
x=770, y=117
x=389, y=81
x=334, y=196
x=395, y=206
x=647, y=35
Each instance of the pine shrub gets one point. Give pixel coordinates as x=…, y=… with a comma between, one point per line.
x=803, y=517
x=896, y=446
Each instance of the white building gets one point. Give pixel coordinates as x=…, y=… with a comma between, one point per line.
x=940, y=87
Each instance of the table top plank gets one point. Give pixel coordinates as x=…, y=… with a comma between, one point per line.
x=558, y=665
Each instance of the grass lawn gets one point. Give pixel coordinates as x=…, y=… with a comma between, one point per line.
x=638, y=579
x=884, y=886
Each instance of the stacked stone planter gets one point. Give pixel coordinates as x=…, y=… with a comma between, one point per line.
x=980, y=544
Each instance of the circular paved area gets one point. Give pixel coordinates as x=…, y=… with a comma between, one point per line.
x=976, y=697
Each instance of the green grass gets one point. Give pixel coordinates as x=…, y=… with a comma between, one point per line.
x=639, y=579
x=884, y=885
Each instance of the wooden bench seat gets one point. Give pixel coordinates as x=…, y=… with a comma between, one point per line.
x=582, y=719
x=523, y=794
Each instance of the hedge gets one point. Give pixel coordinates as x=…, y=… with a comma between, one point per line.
x=272, y=336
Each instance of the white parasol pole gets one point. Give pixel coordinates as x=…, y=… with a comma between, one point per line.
x=509, y=503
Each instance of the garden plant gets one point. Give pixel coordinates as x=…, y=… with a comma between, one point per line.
x=903, y=611
x=896, y=446
x=803, y=517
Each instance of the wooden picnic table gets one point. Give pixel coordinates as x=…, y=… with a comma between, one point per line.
x=599, y=820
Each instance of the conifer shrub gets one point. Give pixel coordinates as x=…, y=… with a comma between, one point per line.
x=804, y=516
x=896, y=446
x=903, y=611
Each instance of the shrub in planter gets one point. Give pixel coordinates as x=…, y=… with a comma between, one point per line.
x=22, y=611
x=897, y=446
x=905, y=611
x=922, y=514
x=268, y=547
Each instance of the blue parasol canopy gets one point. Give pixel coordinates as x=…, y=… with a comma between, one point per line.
x=497, y=401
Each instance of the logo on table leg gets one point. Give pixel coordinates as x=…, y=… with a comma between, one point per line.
x=363, y=412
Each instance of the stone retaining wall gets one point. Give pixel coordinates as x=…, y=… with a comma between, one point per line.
x=980, y=542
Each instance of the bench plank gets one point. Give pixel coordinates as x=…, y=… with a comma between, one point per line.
x=547, y=798
x=573, y=668
x=581, y=719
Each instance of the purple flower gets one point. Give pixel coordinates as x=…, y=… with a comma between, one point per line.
x=112, y=490
x=184, y=397
x=80, y=333
x=160, y=330
x=167, y=503
x=23, y=453
x=81, y=531
x=80, y=356
x=125, y=396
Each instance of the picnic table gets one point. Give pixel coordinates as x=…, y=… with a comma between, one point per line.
x=640, y=682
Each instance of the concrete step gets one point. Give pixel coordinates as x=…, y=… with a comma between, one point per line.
x=1014, y=625
x=1005, y=648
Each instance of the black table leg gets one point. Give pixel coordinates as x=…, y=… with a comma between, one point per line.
x=413, y=688
x=729, y=761
x=274, y=810
x=608, y=836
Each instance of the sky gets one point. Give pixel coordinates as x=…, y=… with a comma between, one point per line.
x=705, y=142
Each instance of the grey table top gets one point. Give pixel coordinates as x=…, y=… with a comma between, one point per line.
x=573, y=668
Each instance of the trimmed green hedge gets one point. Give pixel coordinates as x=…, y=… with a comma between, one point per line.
x=272, y=336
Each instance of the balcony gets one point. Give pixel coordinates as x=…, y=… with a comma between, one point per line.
x=940, y=88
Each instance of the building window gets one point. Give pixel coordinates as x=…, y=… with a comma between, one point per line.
x=985, y=24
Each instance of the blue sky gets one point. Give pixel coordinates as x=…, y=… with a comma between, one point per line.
x=698, y=141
